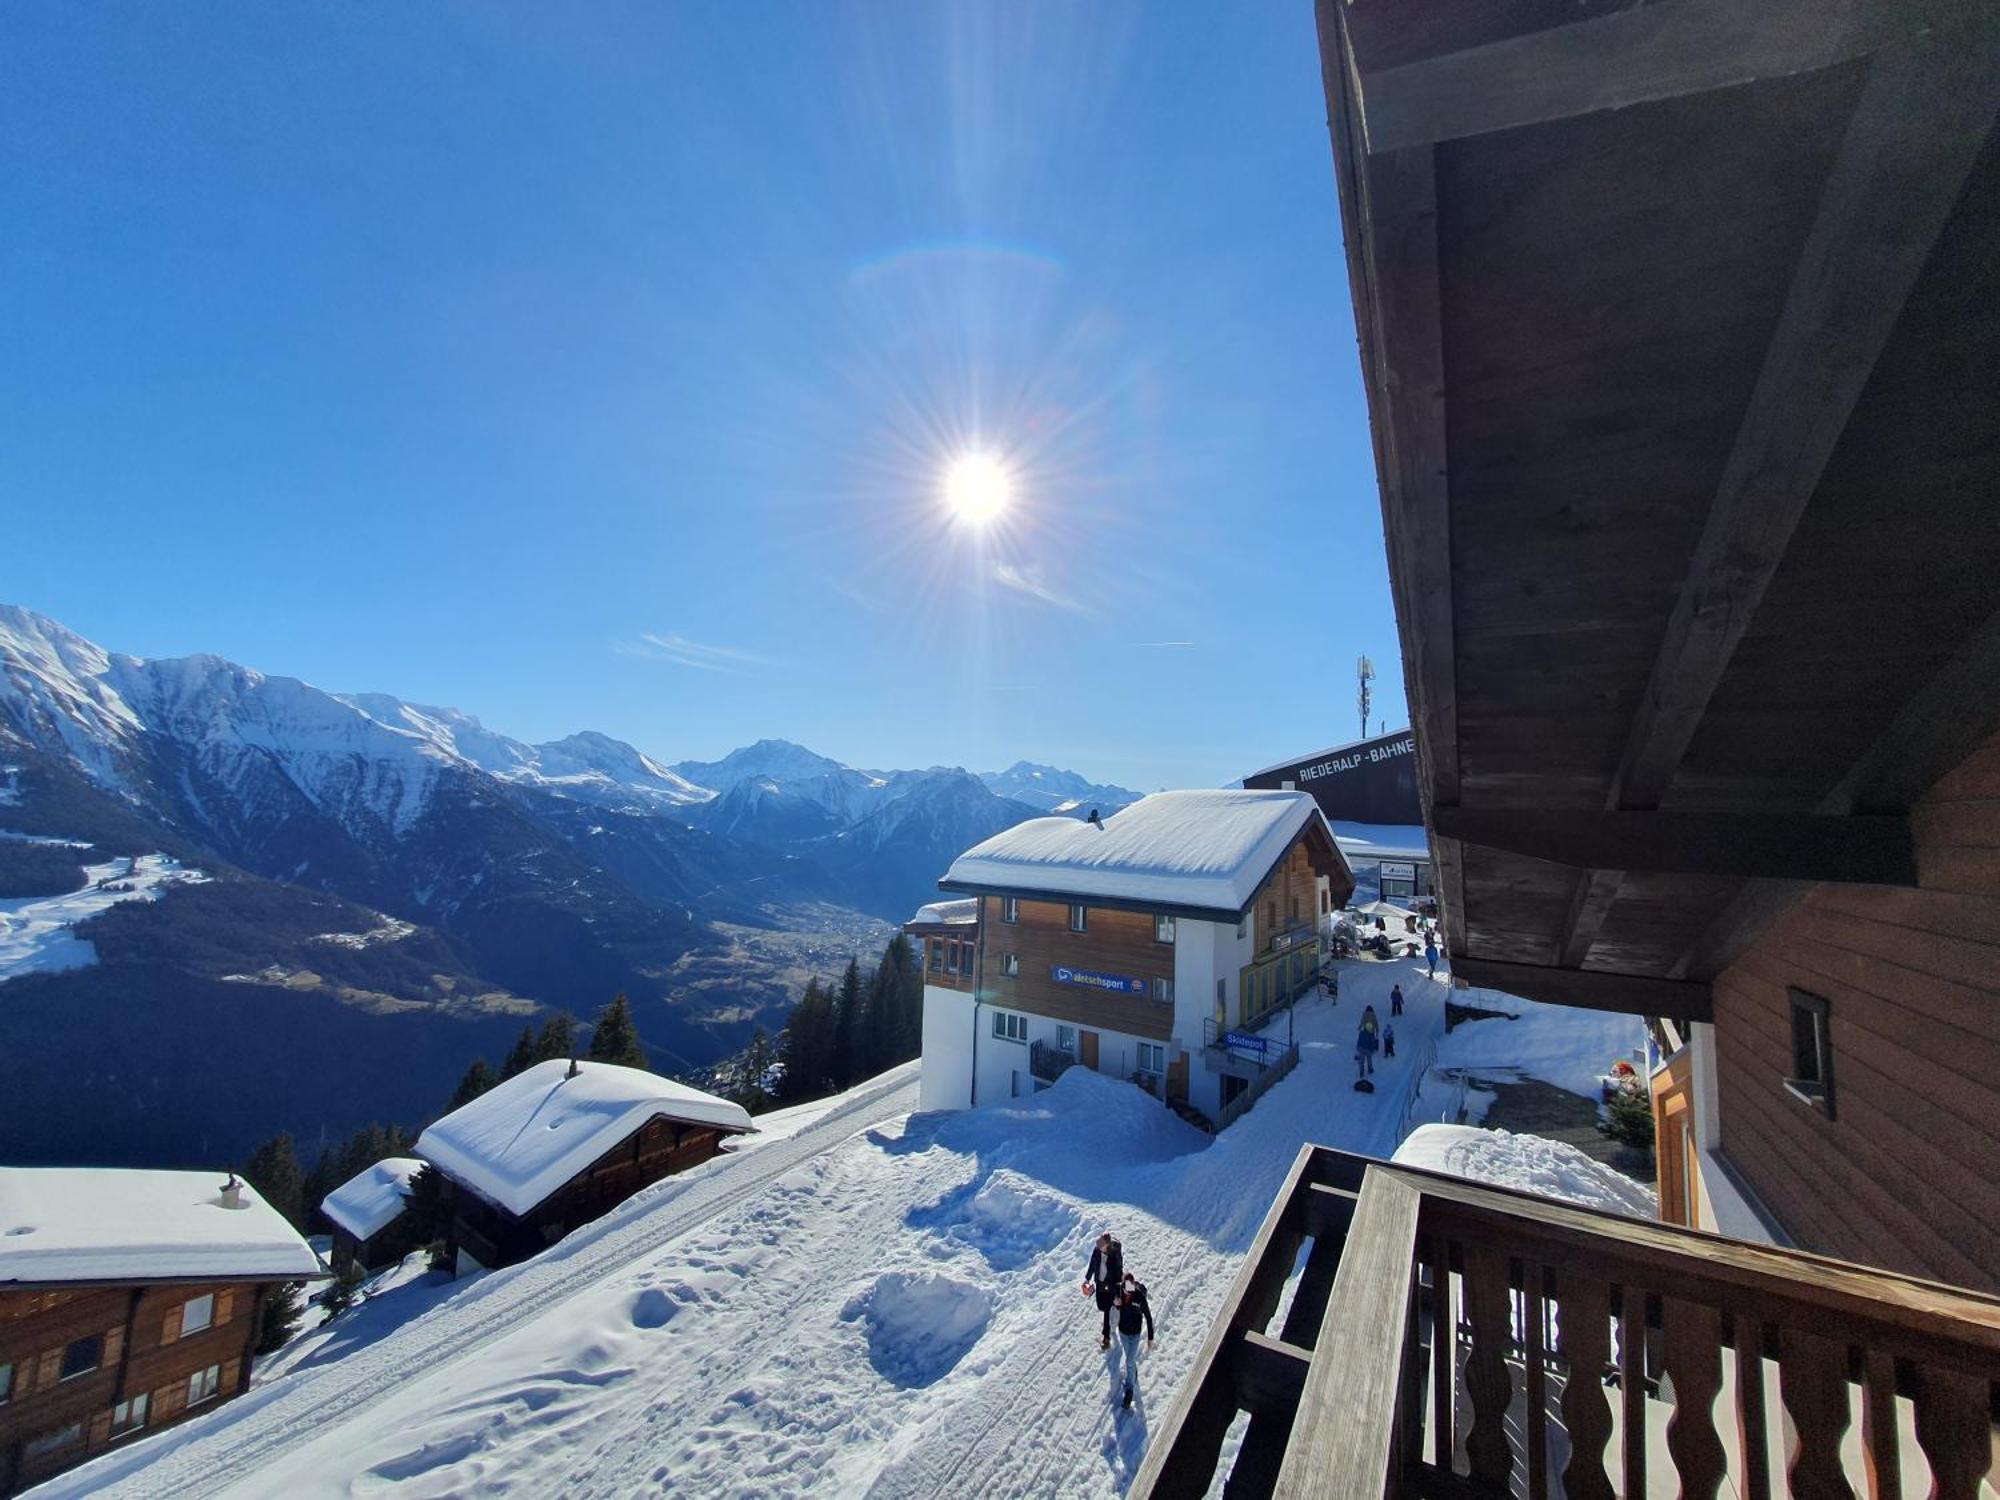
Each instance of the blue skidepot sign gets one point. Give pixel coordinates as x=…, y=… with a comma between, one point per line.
x=1117, y=984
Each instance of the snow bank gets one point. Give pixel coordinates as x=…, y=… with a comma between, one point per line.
x=919, y=1325
x=1549, y=1169
x=36, y=935
x=1207, y=849
x=114, y=1223
x=1559, y=1044
x=524, y=1138
x=365, y=1203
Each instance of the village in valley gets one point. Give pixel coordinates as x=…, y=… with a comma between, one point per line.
x=1579, y=1075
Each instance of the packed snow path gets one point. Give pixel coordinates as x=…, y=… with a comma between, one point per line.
x=885, y=1304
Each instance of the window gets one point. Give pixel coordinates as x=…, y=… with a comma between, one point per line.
x=1812, y=1051
x=1222, y=1002
x=6, y=1384
x=1079, y=918
x=1010, y=909
x=966, y=953
x=48, y=1442
x=128, y=1416
x=1009, y=1027
x=1243, y=927
x=83, y=1356
x=1295, y=908
x=1271, y=916
x=1066, y=1038
x=1152, y=1057
x=936, y=945
x=951, y=957
x=1163, y=990
x=204, y=1384
x=1010, y=965
x=197, y=1313
x=1163, y=928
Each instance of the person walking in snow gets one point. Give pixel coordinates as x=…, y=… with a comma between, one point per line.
x=1134, y=1311
x=1395, y=1000
x=1368, y=1042
x=1388, y=1042
x=1431, y=955
x=1104, y=1277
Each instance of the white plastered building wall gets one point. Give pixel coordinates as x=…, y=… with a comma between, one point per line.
x=946, y=1078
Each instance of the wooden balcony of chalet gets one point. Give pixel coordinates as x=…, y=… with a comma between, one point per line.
x=1450, y=1339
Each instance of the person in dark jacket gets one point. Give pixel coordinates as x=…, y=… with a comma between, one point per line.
x=1134, y=1312
x=1395, y=999
x=1104, y=1277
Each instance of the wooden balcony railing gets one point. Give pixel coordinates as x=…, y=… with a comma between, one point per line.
x=1451, y=1339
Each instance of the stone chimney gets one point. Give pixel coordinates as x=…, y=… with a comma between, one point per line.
x=232, y=1193
x=573, y=1069
x=1094, y=821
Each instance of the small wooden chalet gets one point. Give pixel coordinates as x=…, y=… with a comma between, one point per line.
x=1680, y=328
x=560, y=1144
x=128, y=1301
x=370, y=1228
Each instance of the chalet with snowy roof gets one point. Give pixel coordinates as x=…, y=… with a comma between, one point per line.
x=561, y=1143
x=370, y=1227
x=128, y=1301
x=1152, y=945
x=1680, y=329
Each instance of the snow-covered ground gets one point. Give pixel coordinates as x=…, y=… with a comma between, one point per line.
x=36, y=933
x=860, y=1300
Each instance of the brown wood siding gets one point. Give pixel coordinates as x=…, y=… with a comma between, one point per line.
x=143, y=1353
x=1902, y=1176
x=1114, y=942
x=1288, y=898
x=948, y=950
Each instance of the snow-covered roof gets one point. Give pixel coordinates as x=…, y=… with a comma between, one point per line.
x=1382, y=840
x=366, y=1203
x=124, y=1224
x=1207, y=850
x=1329, y=752
x=524, y=1138
x=1550, y=1169
x=949, y=913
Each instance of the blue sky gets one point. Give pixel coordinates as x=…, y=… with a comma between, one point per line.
x=598, y=366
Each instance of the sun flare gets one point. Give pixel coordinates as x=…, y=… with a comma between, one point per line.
x=977, y=488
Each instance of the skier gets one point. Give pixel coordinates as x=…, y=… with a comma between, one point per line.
x=1431, y=955
x=1388, y=1042
x=1107, y=1268
x=1134, y=1311
x=1395, y=1000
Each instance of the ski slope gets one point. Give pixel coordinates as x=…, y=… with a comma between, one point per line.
x=882, y=1303
x=37, y=933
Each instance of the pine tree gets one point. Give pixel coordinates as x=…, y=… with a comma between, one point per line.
x=754, y=1093
x=427, y=1206
x=909, y=1006
x=847, y=1056
x=273, y=1169
x=805, y=1046
x=558, y=1038
x=616, y=1039
x=524, y=1055
x=279, y=1316
x=342, y=1291
x=477, y=1080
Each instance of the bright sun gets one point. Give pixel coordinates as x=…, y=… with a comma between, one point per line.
x=977, y=487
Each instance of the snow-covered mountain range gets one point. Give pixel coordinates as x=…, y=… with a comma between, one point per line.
x=551, y=874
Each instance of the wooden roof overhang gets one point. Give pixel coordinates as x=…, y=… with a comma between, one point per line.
x=1680, y=328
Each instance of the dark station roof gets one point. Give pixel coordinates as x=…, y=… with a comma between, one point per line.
x=1680, y=327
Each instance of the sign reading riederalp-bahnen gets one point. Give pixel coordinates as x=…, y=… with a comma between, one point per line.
x=1118, y=984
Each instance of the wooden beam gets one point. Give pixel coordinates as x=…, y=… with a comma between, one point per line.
x=1590, y=902
x=1915, y=133
x=1269, y=1375
x=1329, y=1211
x=1873, y=850
x=1592, y=989
x=1631, y=56
x=1343, y=1437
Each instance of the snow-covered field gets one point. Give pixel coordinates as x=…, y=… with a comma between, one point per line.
x=36, y=932
x=864, y=1300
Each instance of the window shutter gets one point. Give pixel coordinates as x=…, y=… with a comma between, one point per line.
x=51, y=1370
x=225, y=1303
x=230, y=1370
x=170, y=1400
x=114, y=1341
x=100, y=1429
x=170, y=1325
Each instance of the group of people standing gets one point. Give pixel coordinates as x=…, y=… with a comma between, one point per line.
x=1117, y=1288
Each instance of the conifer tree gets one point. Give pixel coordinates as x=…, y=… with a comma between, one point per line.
x=805, y=1045
x=429, y=1210
x=909, y=998
x=616, y=1038
x=477, y=1080
x=524, y=1054
x=847, y=1057
x=273, y=1169
x=342, y=1291
x=755, y=1090
x=558, y=1038
x=279, y=1316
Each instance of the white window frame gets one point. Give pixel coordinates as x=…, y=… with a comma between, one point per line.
x=129, y=1415
x=1010, y=1026
x=1010, y=966
x=1010, y=909
x=1163, y=990
x=203, y=1384
x=1164, y=927
x=6, y=1383
x=1079, y=917
x=1156, y=1050
x=52, y=1441
x=1066, y=1038
x=202, y=1307
x=90, y=1369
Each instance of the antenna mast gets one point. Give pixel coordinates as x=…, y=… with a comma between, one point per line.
x=1364, y=671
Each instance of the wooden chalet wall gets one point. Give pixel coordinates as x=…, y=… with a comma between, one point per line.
x=1115, y=942
x=658, y=1149
x=143, y=1353
x=1288, y=898
x=1903, y=1175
